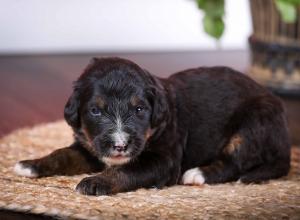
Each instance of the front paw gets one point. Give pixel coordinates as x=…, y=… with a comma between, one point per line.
x=27, y=168
x=95, y=185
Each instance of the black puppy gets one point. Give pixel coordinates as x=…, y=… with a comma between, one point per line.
x=204, y=125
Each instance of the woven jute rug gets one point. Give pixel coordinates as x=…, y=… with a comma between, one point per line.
x=55, y=196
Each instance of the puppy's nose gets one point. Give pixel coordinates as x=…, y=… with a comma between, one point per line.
x=120, y=148
x=120, y=141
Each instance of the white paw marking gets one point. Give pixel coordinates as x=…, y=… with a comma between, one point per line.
x=20, y=170
x=193, y=177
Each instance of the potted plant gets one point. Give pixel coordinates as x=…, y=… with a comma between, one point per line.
x=274, y=44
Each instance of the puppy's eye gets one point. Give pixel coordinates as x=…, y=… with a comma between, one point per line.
x=139, y=109
x=95, y=111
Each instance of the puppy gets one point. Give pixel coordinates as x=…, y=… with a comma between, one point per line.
x=203, y=125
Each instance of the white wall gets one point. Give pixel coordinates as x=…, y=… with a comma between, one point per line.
x=58, y=26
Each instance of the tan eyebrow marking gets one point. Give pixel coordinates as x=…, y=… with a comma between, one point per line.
x=134, y=100
x=100, y=102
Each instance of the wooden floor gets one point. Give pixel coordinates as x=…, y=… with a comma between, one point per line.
x=34, y=89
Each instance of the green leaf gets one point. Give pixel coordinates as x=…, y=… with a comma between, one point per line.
x=213, y=13
x=213, y=26
x=287, y=11
x=295, y=2
x=214, y=8
x=201, y=3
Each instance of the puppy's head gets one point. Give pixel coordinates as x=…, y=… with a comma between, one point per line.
x=115, y=108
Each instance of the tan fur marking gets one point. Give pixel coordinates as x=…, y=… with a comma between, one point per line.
x=85, y=132
x=148, y=133
x=100, y=102
x=233, y=145
x=214, y=167
x=88, y=143
x=134, y=100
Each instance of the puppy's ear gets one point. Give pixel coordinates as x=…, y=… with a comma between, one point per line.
x=93, y=61
x=71, y=110
x=158, y=100
x=159, y=108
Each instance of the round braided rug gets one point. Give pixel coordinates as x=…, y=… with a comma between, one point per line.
x=55, y=196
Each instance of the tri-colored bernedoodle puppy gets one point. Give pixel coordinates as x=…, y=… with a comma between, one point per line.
x=203, y=125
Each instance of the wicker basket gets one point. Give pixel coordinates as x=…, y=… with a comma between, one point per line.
x=275, y=48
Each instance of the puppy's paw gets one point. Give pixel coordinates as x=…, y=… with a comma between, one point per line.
x=95, y=185
x=193, y=177
x=26, y=168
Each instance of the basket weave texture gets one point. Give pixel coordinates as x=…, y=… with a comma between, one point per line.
x=55, y=196
x=275, y=48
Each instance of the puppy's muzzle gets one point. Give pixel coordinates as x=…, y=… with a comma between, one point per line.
x=120, y=148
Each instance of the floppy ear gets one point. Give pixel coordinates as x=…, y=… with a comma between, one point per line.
x=157, y=97
x=159, y=103
x=71, y=110
x=159, y=108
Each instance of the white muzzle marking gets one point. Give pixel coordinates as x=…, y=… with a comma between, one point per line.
x=120, y=138
x=110, y=161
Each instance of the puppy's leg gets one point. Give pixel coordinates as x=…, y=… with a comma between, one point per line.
x=266, y=151
x=66, y=161
x=258, y=150
x=223, y=169
x=217, y=172
x=265, y=172
x=149, y=170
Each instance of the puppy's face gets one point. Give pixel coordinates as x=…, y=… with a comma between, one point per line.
x=114, y=112
x=116, y=121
